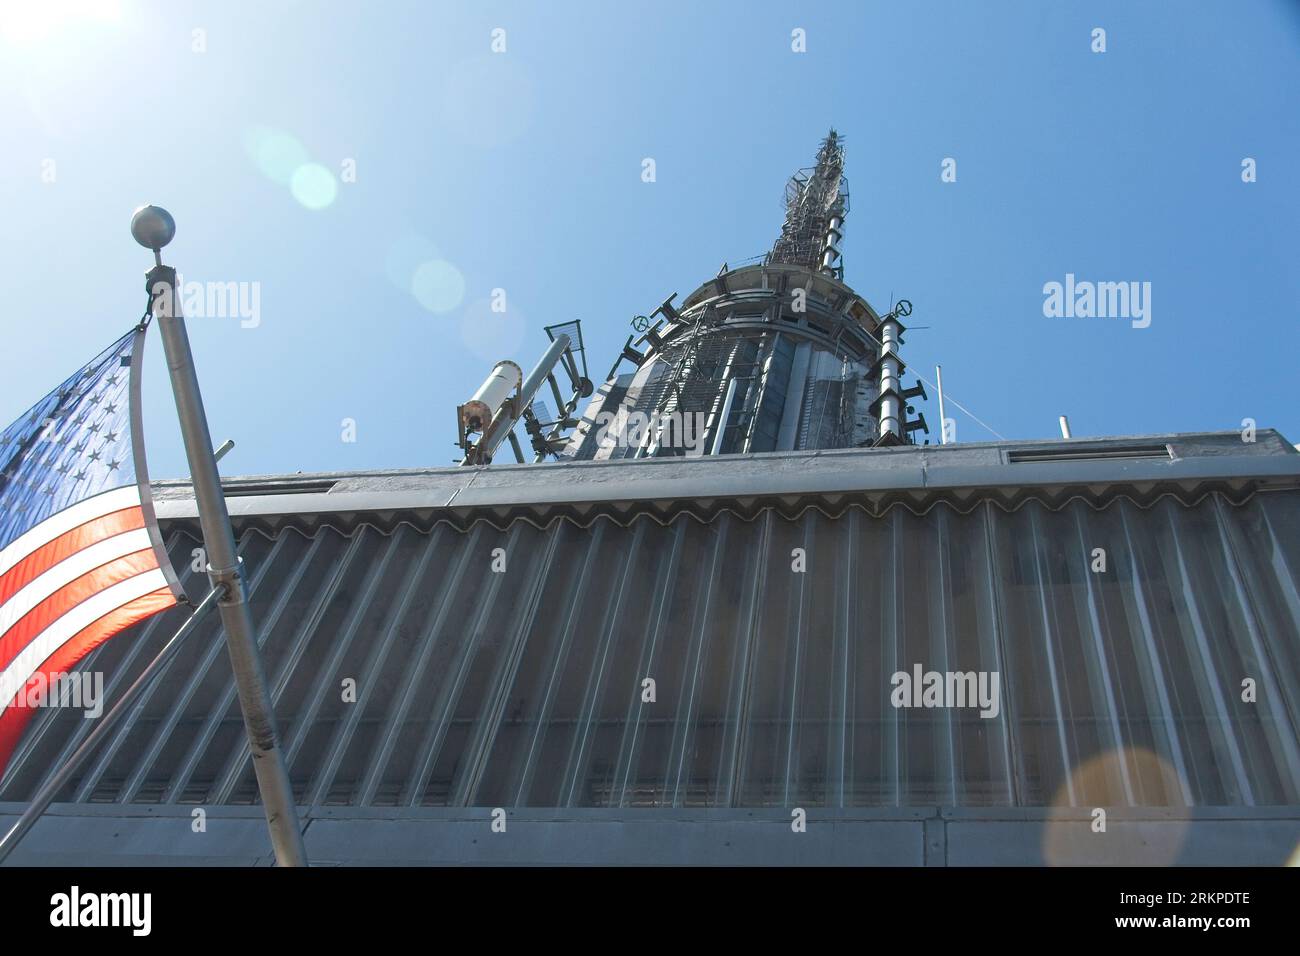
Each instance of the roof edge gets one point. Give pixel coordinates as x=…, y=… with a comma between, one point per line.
x=1186, y=461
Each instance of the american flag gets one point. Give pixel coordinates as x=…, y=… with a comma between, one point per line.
x=80, y=554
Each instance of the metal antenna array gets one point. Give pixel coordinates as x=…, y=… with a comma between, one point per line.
x=816, y=202
x=775, y=355
x=891, y=403
x=506, y=398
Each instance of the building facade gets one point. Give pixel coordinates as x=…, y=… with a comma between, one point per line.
x=797, y=638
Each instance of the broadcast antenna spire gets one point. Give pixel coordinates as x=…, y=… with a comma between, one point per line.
x=816, y=202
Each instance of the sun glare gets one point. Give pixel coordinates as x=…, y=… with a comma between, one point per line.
x=29, y=22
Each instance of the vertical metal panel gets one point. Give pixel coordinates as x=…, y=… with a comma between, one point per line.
x=1258, y=562
x=538, y=680
x=1119, y=686
x=430, y=617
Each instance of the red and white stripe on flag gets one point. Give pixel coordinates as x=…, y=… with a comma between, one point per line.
x=80, y=554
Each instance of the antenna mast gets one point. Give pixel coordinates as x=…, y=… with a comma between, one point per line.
x=816, y=202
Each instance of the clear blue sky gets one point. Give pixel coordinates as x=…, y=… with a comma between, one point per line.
x=522, y=171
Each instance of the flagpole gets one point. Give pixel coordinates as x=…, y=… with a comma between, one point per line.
x=153, y=228
x=47, y=793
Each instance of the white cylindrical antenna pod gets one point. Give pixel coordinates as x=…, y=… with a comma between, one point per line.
x=1065, y=427
x=831, y=247
x=891, y=406
x=943, y=418
x=501, y=383
x=504, y=422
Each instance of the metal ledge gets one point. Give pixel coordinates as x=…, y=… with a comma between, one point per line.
x=77, y=835
x=1196, y=459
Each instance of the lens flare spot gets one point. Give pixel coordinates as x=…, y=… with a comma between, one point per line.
x=313, y=185
x=1118, y=783
x=438, y=285
x=276, y=154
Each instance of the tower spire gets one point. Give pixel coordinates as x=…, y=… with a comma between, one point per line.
x=816, y=201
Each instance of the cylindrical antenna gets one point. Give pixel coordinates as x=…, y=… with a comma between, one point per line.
x=502, y=381
x=509, y=414
x=891, y=411
x=943, y=419
x=831, y=249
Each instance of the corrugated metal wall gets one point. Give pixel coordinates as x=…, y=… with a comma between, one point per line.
x=772, y=686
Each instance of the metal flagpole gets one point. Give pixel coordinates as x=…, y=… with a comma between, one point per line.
x=153, y=228
x=47, y=793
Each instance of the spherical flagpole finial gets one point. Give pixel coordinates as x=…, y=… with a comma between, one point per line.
x=153, y=227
